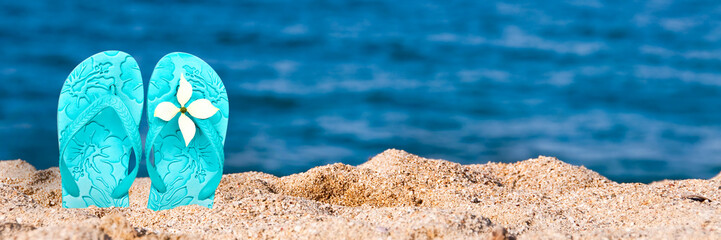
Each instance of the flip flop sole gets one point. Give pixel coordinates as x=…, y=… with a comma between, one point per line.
x=97, y=152
x=185, y=174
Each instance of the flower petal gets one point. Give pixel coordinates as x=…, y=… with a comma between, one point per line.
x=185, y=90
x=166, y=111
x=187, y=128
x=202, y=109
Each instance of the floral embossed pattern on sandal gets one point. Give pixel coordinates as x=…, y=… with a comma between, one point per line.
x=188, y=119
x=99, y=109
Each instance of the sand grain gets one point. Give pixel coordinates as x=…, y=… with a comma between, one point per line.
x=394, y=195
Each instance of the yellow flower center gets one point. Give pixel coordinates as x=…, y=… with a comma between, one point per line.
x=183, y=109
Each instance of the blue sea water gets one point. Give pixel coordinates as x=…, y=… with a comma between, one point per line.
x=631, y=89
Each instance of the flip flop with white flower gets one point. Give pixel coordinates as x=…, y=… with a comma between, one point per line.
x=188, y=118
x=99, y=109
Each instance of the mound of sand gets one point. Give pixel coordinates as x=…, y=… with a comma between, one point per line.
x=394, y=195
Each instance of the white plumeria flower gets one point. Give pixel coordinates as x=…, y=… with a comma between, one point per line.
x=200, y=108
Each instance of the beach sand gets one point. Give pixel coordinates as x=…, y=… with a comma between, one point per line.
x=394, y=195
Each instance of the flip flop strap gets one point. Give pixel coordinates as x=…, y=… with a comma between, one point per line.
x=130, y=127
x=216, y=142
x=155, y=180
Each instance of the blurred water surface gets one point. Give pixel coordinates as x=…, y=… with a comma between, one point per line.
x=627, y=88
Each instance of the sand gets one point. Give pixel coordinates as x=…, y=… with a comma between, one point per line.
x=395, y=195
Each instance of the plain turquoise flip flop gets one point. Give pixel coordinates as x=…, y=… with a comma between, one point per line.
x=99, y=109
x=188, y=119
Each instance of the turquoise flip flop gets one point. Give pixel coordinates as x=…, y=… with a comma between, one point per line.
x=188, y=118
x=99, y=109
